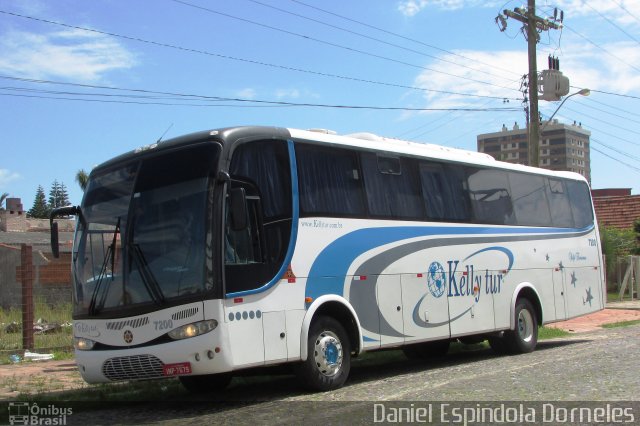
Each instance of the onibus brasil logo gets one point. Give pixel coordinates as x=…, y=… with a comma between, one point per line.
x=27, y=413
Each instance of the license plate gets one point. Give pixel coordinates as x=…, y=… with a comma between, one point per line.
x=176, y=369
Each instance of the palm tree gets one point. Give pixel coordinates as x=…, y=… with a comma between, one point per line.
x=82, y=177
x=3, y=198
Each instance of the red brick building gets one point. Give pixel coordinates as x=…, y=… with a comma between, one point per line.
x=616, y=207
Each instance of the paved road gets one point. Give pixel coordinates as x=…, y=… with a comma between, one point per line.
x=601, y=365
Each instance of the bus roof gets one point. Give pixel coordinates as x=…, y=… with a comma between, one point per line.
x=427, y=150
x=367, y=141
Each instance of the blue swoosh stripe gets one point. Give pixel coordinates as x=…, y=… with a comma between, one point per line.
x=328, y=272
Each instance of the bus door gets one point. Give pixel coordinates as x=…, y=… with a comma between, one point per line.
x=426, y=313
x=559, y=293
x=389, y=294
x=470, y=294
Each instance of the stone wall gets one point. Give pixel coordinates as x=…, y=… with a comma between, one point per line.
x=51, y=277
x=17, y=221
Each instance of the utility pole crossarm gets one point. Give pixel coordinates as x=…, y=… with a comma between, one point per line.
x=543, y=24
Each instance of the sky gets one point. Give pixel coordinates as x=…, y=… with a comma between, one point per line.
x=84, y=81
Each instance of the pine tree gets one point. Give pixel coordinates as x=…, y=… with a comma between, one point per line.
x=53, y=194
x=58, y=196
x=40, y=209
x=63, y=196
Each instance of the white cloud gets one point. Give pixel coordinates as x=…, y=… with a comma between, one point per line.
x=586, y=66
x=411, y=8
x=72, y=54
x=247, y=93
x=287, y=93
x=487, y=74
x=623, y=12
x=7, y=176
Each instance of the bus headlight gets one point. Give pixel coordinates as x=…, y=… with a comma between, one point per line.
x=193, y=330
x=82, y=344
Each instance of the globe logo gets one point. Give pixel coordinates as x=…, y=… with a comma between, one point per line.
x=436, y=279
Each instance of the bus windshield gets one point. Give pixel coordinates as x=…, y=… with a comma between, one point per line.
x=141, y=239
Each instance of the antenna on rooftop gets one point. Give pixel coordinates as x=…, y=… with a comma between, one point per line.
x=165, y=132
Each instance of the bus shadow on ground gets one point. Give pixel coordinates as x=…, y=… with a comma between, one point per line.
x=277, y=385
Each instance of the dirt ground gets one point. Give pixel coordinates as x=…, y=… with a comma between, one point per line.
x=46, y=376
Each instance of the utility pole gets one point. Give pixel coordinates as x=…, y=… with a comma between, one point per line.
x=532, y=25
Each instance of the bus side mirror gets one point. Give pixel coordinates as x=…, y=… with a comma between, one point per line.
x=60, y=211
x=55, y=245
x=238, y=205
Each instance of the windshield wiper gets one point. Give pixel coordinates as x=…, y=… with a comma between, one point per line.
x=148, y=279
x=111, y=249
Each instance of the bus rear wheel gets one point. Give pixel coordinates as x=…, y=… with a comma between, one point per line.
x=525, y=336
x=328, y=356
x=206, y=383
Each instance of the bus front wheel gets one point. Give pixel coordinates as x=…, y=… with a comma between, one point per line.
x=328, y=356
x=524, y=337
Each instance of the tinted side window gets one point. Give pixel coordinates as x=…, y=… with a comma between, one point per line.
x=253, y=255
x=392, y=187
x=266, y=165
x=443, y=191
x=559, y=204
x=580, y=203
x=529, y=199
x=329, y=182
x=490, y=196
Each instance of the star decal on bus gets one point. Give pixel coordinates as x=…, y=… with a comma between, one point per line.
x=589, y=297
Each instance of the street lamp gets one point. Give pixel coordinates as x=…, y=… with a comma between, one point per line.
x=583, y=92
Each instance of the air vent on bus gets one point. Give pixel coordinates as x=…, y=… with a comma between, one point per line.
x=185, y=313
x=325, y=131
x=132, y=323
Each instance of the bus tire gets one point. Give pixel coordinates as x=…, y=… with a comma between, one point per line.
x=427, y=350
x=329, y=356
x=525, y=336
x=206, y=383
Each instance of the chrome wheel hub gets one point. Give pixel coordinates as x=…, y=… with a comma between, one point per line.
x=328, y=353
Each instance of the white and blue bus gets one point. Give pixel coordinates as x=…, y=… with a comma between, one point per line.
x=252, y=246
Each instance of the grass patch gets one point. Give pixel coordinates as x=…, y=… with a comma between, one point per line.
x=621, y=324
x=614, y=296
x=545, y=333
x=11, y=327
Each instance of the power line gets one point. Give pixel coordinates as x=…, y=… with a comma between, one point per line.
x=602, y=48
x=401, y=36
x=598, y=120
x=250, y=61
x=339, y=46
x=626, y=10
x=227, y=99
x=611, y=113
x=615, y=159
x=626, y=154
x=611, y=22
x=374, y=39
x=611, y=93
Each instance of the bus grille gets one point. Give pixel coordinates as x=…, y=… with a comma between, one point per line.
x=136, y=367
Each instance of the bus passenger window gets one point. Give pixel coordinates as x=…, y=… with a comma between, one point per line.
x=530, y=199
x=581, y=207
x=490, y=196
x=559, y=204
